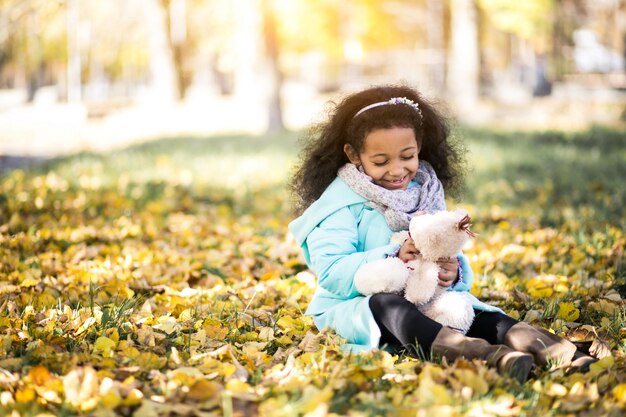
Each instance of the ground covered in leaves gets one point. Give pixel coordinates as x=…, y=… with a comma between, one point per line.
x=160, y=280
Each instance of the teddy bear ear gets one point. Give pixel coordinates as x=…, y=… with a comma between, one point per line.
x=464, y=225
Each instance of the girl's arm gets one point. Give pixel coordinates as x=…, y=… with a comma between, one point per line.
x=333, y=247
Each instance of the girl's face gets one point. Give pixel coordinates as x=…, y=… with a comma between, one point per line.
x=389, y=156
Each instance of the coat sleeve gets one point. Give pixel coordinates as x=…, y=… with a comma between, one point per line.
x=333, y=248
x=466, y=275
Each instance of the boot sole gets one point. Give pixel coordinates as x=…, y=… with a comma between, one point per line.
x=518, y=366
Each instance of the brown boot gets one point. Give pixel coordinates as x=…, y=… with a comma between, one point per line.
x=546, y=348
x=453, y=344
x=580, y=363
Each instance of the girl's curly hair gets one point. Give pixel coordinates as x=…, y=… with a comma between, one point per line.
x=323, y=152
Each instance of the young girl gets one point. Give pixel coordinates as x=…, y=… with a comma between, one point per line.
x=385, y=156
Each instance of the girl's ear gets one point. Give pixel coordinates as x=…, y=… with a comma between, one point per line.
x=352, y=154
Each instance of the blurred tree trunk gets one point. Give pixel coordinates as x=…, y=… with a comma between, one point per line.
x=33, y=64
x=73, y=84
x=161, y=63
x=436, y=41
x=566, y=19
x=176, y=34
x=463, y=56
x=275, y=78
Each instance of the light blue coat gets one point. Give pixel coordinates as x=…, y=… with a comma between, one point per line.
x=339, y=233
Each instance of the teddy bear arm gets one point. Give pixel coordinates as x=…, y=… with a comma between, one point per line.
x=382, y=275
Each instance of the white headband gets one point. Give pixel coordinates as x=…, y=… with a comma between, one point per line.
x=392, y=101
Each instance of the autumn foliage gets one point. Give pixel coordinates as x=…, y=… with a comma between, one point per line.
x=160, y=280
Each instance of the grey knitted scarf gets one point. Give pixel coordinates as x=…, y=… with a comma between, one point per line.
x=398, y=206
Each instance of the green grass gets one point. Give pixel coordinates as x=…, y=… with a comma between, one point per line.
x=108, y=231
x=558, y=177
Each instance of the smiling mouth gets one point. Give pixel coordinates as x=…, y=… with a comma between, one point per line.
x=398, y=181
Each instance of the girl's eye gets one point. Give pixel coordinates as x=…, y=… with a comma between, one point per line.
x=379, y=164
x=407, y=158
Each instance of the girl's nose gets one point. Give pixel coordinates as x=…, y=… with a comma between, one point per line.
x=396, y=169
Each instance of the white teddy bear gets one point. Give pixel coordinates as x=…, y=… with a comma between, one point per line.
x=436, y=236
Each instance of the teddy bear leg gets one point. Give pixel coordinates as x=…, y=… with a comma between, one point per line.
x=451, y=309
x=422, y=282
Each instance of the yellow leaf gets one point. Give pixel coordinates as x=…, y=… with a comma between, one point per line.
x=108, y=363
x=129, y=352
x=266, y=334
x=406, y=367
x=237, y=387
x=39, y=375
x=604, y=306
x=29, y=282
x=253, y=349
x=430, y=393
x=284, y=340
x=145, y=336
x=372, y=371
x=111, y=399
x=105, y=346
x=25, y=395
x=86, y=324
x=214, y=329
x=113, y=334
x=203, y=389
x=270, y=275
x=185, y=375
x=186, y=314
x=167, y=324
x=619, y=393
x=248, y=337
x=567, y=311
x=149, y=360
x=133, y=398
x=286, y=323
x=45, y=300
x=601, y=365
x=109, y=392
x=514, y=314
x=539, y=288
x=532, y=316
x=469, y=378
x=227, y=369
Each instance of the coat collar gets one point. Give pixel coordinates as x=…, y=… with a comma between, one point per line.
x=336, y=196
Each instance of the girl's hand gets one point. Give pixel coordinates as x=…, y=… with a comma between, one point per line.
x=408, y=252
x=449, y=271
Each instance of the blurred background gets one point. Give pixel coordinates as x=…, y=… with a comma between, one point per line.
x=94, y=75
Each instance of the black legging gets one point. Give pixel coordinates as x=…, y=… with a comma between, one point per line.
x=402, y=325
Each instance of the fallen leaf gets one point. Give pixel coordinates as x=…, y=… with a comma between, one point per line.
x=203, y=389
